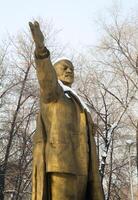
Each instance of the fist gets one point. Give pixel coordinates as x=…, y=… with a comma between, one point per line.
x=37, y=34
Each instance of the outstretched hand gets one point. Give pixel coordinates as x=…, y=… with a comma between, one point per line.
x=37, y=34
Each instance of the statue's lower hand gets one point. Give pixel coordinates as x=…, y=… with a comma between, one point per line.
x=37, y=35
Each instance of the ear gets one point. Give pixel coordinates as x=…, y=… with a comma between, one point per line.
x=57, y=73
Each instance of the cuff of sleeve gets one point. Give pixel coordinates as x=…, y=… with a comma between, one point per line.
x=42, y=54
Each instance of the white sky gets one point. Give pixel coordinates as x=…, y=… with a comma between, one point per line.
x=74, y=17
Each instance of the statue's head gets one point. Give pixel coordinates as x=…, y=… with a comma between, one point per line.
x=65, y=71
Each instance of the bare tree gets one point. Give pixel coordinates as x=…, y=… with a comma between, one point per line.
x=108, y=83
x=19, y=113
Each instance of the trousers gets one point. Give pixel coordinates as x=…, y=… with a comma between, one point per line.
x=67, y=186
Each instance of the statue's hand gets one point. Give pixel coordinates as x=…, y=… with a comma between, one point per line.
x=37, y=35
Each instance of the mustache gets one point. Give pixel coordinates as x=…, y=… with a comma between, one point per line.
x=69, y=74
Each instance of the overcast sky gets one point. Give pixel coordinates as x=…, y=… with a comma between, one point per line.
x=74, y=17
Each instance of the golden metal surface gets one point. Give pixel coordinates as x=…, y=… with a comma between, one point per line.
x=65, y=165
x=61, y=139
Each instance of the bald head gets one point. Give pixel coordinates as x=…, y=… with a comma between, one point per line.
x=65, y=71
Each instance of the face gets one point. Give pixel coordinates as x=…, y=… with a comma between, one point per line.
x=65, y=72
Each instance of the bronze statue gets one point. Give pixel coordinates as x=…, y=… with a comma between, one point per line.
x=65, y=165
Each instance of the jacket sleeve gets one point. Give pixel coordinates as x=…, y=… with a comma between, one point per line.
x=47, y=78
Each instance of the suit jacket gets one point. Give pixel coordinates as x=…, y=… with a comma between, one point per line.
x=58, y=134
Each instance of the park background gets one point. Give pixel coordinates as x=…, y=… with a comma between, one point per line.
x=101, y=39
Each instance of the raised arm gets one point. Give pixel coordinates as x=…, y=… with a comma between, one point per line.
x=45, y=71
